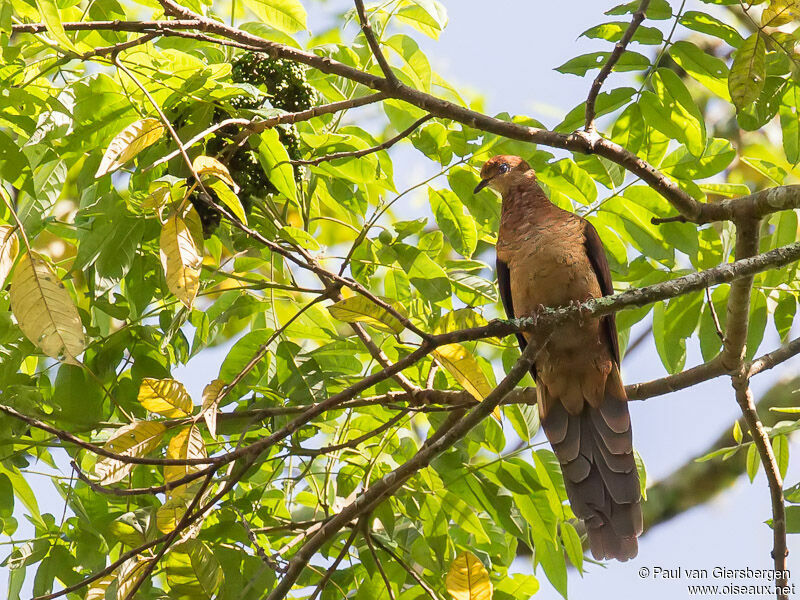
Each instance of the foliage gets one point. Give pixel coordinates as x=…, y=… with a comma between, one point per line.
x=124, y=258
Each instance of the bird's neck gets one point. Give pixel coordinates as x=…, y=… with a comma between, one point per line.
x=524, y=200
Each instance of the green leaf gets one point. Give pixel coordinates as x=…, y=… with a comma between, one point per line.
x=671, y=348
x=23, y=491
x=614, y=31
x=682, y=165
x=228, y=198
x=753, y=462
x=780, y=448
x=642, y=472
x=769, y=170
x=361, y=309
x=287, y=16
x=299, y=237
x=726, y=190
x=748, y=71
x=580, y=65
x=567, y=177
x=192, y=569
x=50, y=15
x=572, y=544
x=755, y=116
x=459, y=228
x=758, y=322
x=606, y=102
x=705, y=23
x=683, y=112
x=427, y=16
x=706, y=69
x=416, y=67
x=274, y=160
x=658, y=10
x=790, y=122
x=628, y=129
x=424, y=274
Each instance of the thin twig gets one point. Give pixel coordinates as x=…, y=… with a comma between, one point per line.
x=374, y=46
x=714, y=315
x=619, y=50
x=359, y=153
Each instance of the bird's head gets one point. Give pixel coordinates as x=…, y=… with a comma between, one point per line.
x=502, y=171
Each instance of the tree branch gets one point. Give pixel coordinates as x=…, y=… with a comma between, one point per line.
x=452, y=430
x=359, y=153
x=374, y=46
x=618, y=51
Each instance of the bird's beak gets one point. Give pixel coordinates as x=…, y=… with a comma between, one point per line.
x=481, y=185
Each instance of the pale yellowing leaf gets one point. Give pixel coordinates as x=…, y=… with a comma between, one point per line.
x=9, y=249
x=129, y=574
x=468, y=579
x=44, y=309
x=457, y=360
x=361, y=309
x=136, y=439
x=165, y=397
x=97, y=590
x=182, y=255
x=748, y=71
x=210, y=166
x=188, y=443
x=211, y=403
x=780, y=12
x=128, y=143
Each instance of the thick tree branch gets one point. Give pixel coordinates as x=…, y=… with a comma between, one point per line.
x=619, y=50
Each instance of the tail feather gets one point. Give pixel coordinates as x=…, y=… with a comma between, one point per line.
x=595, y=451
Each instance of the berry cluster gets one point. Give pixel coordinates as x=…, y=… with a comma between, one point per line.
x=285, y=87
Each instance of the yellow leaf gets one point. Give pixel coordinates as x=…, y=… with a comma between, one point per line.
x=468, y=579
x=44, y=309
x=137, y=439
x=359, y=308
x=211, y=403
x=129, y=574
x=208, y=165
x=9, y=248
x=780, y=12
x=466, y=370
x=188, y=443
x=98, y=589
x=128, y=143
x=182, y=255
x=166, y=397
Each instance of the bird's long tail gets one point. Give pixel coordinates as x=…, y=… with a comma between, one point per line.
x=595, y=450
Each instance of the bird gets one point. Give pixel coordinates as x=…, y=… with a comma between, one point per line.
x=549, y=257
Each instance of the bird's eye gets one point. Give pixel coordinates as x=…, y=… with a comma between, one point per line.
x=504, y=168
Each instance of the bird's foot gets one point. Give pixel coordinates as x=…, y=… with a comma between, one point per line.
x=582, y=312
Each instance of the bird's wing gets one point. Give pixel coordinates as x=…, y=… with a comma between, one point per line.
x=597, y=257
x=504, y=287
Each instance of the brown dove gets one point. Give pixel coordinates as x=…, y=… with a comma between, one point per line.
x=550, y=257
